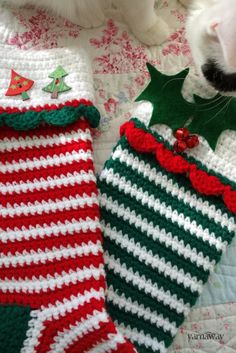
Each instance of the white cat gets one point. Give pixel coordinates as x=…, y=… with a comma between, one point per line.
x=139, y=14
x=211, y=32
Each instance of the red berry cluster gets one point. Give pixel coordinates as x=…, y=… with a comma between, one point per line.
x=185, y=140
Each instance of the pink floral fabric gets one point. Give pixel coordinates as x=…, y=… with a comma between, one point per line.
x=208, y=330
x=41, y=30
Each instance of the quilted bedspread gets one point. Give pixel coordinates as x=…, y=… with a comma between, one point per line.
x=120, y=74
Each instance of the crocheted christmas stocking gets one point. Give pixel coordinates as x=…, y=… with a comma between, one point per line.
x=165, y=227
x=52, y=280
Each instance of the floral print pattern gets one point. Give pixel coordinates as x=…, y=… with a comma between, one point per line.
x=41, y=30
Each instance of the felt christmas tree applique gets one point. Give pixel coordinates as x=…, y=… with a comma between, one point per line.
x=19, y=85
x=57, y=85
x=204, y=117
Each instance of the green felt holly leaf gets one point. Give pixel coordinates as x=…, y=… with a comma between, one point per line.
x=164, y=92
x=205, y=117
x=212, y=117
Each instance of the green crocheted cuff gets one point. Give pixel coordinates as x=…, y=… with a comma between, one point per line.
x=61, y=115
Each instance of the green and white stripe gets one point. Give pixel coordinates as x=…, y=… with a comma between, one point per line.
x=144, y=313
x=166, y=182
x=156, y=262
x=141, y=339
x=144, y=284
x=162, y=240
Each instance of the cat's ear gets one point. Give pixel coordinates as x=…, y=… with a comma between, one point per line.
x=224, y=30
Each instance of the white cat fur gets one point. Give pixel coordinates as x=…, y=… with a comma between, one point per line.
x=211, y=32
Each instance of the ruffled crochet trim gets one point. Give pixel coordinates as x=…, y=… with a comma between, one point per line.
x=206, y=184
x=56, y=115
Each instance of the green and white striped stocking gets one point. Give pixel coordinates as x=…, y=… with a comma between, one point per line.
x=162, y=235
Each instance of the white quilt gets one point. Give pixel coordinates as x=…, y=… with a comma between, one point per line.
x=119, y=67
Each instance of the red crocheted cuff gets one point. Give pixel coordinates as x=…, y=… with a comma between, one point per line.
x=205, y=182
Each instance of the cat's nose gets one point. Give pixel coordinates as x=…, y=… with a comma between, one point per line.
x=220, y=80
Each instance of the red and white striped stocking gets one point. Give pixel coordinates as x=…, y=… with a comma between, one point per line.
x=51, y=256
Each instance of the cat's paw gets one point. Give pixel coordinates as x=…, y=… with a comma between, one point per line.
x=155, y=35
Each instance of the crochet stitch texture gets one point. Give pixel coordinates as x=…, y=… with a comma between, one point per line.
x=57, y=115
x=162, y=237
x=52, y=284
x=40, y=108
x=52, y=278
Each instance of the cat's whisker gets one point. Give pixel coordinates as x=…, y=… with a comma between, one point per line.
x=211, y=102
x=174, y=79
x=226, y=106
x=214, y=106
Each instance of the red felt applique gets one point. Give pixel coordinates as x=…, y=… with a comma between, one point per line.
x=19, y=85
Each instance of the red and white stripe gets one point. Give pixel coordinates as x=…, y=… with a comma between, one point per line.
x=78, y=324
x=51, y=256
x=40, y=207
x=42, y=230
x=69, y=179
x=13, y=141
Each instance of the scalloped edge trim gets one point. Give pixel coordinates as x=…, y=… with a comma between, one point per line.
x=204, y=183
x=190, y=159
x=61, y=114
